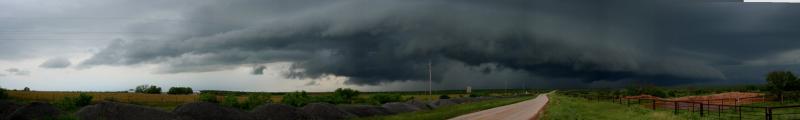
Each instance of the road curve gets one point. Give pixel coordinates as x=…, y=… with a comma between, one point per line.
x=525, y=110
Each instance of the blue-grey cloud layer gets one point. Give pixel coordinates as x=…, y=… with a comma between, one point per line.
x=667, y=42
x=56, y=63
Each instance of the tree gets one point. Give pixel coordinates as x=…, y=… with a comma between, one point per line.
x=26, y=89
x=346, y=94
x=780, y=81
x=149, y=89
x=180, y=90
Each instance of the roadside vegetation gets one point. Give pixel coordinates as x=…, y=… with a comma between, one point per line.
x=563, y=107
x=451, y=111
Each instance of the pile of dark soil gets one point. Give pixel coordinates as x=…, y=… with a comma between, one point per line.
x=209, y=111
x=120, y=111
x=278, y=112
x=325, y=111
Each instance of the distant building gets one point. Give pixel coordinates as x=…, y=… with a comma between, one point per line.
x=469, y=89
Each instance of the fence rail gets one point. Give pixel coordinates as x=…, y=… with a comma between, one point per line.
x=726, y=109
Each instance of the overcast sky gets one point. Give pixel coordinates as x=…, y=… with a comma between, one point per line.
x=386, y=45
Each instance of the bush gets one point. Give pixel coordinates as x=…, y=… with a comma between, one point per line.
x=255, y=100
x=3, y=94
x=149, y=89
x=180, y=90
x=385, y=98
x=73, y=103
x=297, y=99
x=444, y=97
x=477, y=94
x=345, y=94
x=206, y=97
x=231, y=101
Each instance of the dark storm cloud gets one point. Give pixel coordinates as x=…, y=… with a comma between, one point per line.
x=56, y=63
x=372, y=42
x=258, y=70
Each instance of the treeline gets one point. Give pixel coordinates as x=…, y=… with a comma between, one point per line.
x=152, y=89
x=180, y=90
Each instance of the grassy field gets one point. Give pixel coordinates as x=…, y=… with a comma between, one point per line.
x=450, y=111
x=570, y=108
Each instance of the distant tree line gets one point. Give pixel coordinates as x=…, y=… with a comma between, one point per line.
x=148, y=89
x=180, y=90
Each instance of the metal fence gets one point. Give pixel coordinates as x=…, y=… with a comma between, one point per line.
x=724, y=109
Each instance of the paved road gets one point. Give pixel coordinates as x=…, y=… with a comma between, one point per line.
x=525, y=110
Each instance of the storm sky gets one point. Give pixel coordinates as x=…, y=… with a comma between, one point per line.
x=387, y=45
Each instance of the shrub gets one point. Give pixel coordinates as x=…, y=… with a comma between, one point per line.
x=255, y=100
x=297, y=99
x=231, y=101
x=149, y=89
x=72, y=103
x=345, y=94
x=477, y=94
x=3, y=94
x=444, y=97
x=206, y=97
x=180, y=90
x=385, y=98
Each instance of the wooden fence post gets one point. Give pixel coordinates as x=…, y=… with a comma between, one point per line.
x=739, y=110
x=701, y=109
x=769, y=113
x=675, y=107
x=654, y=104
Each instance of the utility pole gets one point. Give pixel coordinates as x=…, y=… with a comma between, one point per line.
x=430, y=79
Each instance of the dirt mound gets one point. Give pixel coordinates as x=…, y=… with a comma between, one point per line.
x=463, y=100
x=209, y=111
x=8, y=107
x=278, y=112
x=365, y=110
x=419, y=104
x=398, y=107
x=325, y=111
x=441, y=103
x=120, y=111
x=34, y=111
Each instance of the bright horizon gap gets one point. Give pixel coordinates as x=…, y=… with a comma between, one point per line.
x=774, y=1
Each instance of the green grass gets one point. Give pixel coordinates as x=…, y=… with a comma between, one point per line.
x=450, y=111
x=570, y=108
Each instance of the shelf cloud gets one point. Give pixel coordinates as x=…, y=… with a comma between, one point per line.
x=377, y=41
